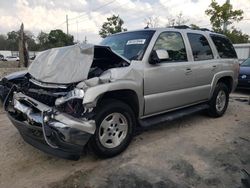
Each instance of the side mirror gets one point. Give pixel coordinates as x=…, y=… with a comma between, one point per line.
x=158, y=56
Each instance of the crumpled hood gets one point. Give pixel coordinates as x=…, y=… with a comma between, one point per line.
x=63, y=65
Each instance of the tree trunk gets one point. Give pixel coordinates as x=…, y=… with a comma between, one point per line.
x=23, y=49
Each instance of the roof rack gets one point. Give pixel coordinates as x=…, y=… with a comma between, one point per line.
x=180, y=27
x=187, y=27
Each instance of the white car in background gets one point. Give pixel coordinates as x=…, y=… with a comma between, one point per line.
x=11, y=58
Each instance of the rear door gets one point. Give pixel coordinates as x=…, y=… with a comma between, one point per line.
x=206, y=64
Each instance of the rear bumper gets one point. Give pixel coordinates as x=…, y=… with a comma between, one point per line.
x=46, y=128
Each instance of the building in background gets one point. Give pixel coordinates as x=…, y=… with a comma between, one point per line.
x=243, y=51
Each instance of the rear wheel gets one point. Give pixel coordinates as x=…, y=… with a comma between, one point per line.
x=115, y=124
x=219, y=101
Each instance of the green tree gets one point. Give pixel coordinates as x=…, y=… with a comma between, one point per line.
x=222, y=16
x=12, y=40
x=113, y=25
x=3, y=42
x=43, y=40
x=236, y=36
x=57, y=38
x=30, y=39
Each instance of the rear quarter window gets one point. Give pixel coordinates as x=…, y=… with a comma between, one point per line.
x=223, y=46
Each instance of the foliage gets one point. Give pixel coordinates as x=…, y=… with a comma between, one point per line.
x=223, y=16
x=113, y=25
x=56, y=38
x=236, y=36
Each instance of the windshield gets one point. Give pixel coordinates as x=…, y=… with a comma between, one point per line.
x=130, y=45
x=246, y=63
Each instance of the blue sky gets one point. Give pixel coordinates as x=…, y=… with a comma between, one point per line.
x=87, y=16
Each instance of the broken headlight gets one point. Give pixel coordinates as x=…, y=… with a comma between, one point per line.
x=73, y=94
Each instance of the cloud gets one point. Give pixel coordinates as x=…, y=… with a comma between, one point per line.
x=87, y=16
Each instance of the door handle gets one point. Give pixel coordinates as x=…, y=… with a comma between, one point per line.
x=214, y=67
x=188, y=71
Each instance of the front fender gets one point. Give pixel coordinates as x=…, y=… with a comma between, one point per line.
x=92, y=94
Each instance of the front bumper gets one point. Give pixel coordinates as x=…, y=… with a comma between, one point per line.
x=46, y=128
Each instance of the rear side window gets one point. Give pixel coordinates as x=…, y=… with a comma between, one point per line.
x=224, y=46
x=173, y=43
x=200, y=47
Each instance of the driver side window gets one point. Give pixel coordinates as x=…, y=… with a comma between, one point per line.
x=174, y=44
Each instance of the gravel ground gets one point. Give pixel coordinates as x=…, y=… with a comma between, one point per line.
x=195, y=151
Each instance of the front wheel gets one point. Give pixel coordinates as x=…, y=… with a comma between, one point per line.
x=219, y=101
x=115, y=124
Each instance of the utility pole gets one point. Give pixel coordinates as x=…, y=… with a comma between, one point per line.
x=77, y=30
x=225, y=22
x=67, y=23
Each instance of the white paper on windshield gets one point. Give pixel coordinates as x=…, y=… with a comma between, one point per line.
x=136, y=41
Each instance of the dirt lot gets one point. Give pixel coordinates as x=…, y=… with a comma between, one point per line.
x=195, y=151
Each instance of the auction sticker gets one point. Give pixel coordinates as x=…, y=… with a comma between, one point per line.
x=136, y=41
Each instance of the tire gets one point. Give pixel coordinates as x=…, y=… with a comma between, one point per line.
x=115, y=125
x=219, y=101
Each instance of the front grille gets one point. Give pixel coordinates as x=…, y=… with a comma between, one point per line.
x=45, y=99
x=39, y=93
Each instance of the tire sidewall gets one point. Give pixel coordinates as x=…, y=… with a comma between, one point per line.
x=213, y=110
x=106, y=108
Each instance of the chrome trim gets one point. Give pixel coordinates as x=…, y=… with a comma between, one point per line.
x=48, y=116
x=47, y=85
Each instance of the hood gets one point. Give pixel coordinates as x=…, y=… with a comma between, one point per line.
x=63, y=65
x=245, y=70
x=70, y=64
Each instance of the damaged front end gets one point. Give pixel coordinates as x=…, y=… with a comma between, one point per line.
x=46, y=104
x=61, y=129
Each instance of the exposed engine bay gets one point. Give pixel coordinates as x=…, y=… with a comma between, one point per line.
x=46, y=102
x=104, y=59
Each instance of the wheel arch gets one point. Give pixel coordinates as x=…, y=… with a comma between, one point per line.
x=125, y=95
x=224, y=77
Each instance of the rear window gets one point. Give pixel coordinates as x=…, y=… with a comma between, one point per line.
x=200, y=47
x=224, y=46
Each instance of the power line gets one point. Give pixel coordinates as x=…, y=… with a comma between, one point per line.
x=98, y=8
x=85, y=19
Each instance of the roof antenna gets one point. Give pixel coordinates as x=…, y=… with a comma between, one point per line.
x=147, y=26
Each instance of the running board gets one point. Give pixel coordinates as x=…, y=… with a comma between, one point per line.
x=170, y=116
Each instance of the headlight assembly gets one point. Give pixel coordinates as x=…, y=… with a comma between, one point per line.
x=73, y=94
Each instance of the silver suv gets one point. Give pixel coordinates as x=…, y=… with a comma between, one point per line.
x=98, y=95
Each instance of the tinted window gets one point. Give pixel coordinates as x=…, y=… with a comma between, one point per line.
x=224, y=47
x=246, y=63
x=200, y=47
x=173, y=43
x=131, y=45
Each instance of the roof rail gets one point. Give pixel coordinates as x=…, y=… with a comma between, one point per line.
x=180, y=27
x=187, y=27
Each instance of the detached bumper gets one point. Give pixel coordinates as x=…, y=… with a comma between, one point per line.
x=45, y=128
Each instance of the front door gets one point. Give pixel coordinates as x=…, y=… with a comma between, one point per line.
x=167, y=84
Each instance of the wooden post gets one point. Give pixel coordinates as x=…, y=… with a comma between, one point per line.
x=23, y=49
